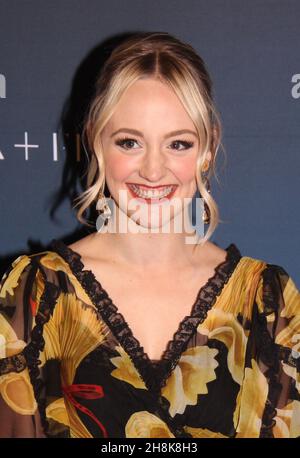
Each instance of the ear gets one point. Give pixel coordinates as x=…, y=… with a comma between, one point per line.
x=207, y=162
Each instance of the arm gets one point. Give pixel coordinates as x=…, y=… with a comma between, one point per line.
x=21, y=290
x=278, y=339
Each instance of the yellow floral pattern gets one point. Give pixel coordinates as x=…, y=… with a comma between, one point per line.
x=18, y=265
x=225, y=327
x=145, y=424
x=195, y=369
x=252, y=400
x=126, y=370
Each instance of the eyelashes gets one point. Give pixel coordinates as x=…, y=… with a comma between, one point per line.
x=126, y=140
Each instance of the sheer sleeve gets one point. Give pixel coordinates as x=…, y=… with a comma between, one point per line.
x=26, y=299
x=277, y=353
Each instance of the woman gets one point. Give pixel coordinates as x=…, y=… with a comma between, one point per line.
x=78, y=361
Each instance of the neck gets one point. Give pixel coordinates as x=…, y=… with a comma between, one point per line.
x=145, y=248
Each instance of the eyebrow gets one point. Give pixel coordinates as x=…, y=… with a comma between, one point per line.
x=140, y=134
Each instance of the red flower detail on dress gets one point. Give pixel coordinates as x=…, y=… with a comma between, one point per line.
x=85, y=391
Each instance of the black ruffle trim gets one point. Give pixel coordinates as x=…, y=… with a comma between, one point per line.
x=37, y=343
x=15, y=363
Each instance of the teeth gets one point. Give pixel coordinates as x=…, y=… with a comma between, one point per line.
x=151, y=193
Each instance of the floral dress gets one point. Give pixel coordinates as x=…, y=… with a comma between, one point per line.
x=70, y=365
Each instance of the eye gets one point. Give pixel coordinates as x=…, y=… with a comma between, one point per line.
x=125, y=141
x=186, y=144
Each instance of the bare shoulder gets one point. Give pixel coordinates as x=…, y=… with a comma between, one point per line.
x=86, y=246
x=217, y=251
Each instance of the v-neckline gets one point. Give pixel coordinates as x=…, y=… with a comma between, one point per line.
x=154, y=373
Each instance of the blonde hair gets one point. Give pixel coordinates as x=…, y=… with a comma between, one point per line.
x=162, y=56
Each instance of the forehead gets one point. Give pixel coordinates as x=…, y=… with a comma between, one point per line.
x=150, y=103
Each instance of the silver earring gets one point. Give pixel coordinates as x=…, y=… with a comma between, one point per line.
x=104, y=212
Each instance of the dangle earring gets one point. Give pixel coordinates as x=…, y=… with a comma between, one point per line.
x=206, y=212
x=104, y=212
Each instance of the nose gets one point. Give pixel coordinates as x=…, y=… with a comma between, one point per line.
x=153, y=166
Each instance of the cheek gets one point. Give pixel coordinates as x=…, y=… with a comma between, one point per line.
x=119, y=167
x=184, y=169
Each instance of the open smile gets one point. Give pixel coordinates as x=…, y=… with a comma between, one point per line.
x=151, y=194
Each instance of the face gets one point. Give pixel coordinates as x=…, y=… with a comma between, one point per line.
x=143, y=156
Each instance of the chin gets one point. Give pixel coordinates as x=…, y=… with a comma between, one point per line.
x=157, y=224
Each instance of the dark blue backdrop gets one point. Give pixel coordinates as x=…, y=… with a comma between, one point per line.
x=49, y=52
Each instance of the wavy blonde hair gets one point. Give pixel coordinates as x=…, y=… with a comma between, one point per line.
x=162, y=56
